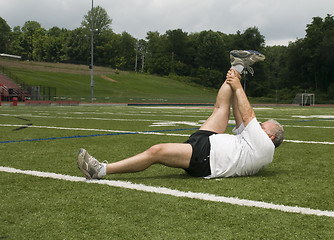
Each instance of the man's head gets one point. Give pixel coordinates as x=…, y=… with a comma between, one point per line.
x=274, y=130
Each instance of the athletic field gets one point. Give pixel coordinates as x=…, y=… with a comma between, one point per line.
x=44, y=195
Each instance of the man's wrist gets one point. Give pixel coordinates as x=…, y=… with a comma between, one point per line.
x=238, y=75
x=238, y=87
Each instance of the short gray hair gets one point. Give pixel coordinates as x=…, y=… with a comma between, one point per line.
x=278, y=131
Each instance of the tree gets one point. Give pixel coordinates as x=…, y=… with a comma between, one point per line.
x=29, y=29
x=326, y=54
x=252, y=39
x=104, y=49
x=211, y=51
x=55, y=45
x=276, y=66
x=5, y=32
x=102, y=32
x=16, y=46
x=78, y=46
x=127, y=50
x=141, y=53
x=158, y=58
x=209, y=78
x=102, y=22
x=176, y=45
x=39, y=39
x=315, y=54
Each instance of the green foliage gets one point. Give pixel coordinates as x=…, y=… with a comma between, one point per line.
x=101, y=20
x=158, y=60
x=78, y=46
x=306, y=63
x=54, y=48
x=127, y=51
x=316, y=54
x=209, y=78
x=330, y=91
x=5, y=32
x=32, y=34
x=212, y=51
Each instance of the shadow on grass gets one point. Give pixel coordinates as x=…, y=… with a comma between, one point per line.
x=270, y=173
x=185, y=176
x=136, y=176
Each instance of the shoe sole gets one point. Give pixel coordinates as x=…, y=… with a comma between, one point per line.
x=246, y=53
x=80, y=162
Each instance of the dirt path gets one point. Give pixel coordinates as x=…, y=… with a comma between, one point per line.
x=107, y=78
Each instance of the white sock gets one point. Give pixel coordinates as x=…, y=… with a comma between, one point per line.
x=238, y=68
x=103, y=171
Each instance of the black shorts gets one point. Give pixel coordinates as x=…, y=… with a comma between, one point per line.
x=200, y=159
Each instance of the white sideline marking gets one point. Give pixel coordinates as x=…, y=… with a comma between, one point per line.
x=175, y=123
x=192, y=107
x=147, y=133
x=175, y=193
x=315, y=116
x=111, y=119
x=297, y=141
x=297, y=126
x=96, y=130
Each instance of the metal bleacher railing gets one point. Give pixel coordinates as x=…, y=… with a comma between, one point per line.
x=13, y=86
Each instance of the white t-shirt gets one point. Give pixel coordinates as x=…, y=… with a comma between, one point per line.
x=242, y=154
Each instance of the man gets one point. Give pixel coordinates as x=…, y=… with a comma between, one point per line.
x=209, y=152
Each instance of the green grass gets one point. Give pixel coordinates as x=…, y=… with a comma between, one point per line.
x=73, y=81
x=42, y=208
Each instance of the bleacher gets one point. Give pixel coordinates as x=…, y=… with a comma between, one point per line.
x=8, y=87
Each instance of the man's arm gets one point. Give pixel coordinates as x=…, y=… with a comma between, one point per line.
x=236, y=112
x=245, y=109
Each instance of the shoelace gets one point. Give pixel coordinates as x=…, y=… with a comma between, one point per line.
x=250, y=70
x=96, y=163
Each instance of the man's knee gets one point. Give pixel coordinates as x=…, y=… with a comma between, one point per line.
x=155, y=151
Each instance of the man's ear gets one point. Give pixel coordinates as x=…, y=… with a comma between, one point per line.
x=272, y=137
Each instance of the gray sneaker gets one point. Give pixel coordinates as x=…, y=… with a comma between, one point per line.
x=88, y=165
x=246, y=58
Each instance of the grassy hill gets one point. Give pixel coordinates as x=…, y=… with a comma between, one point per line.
x=73, y=81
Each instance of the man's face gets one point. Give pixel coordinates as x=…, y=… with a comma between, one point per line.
x=267, y=127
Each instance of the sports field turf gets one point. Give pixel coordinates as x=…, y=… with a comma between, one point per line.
x=47, y=139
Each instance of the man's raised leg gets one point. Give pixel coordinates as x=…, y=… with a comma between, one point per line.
x=218, y=120
x=236, y=111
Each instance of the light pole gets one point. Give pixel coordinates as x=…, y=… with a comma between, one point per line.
x=92, y=60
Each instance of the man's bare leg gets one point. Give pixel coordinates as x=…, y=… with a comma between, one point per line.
x=218, y=120
x=236, y=112
x=175, y=155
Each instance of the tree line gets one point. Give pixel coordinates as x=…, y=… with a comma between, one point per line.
x=304, y=65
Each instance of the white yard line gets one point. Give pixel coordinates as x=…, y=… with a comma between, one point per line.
x=175, y=193
x=139, y=120
x=110, y=119
x=83, y=118
x=298, y=126
x=311, y=142
x=147, y=133
x=96, y=130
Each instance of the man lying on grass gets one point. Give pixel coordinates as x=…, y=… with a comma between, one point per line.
x=209, y=152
